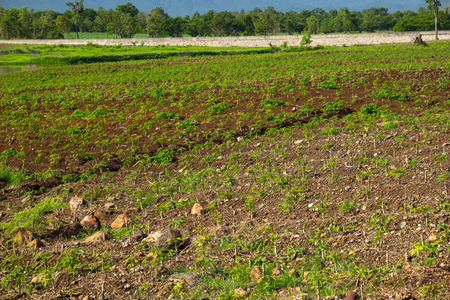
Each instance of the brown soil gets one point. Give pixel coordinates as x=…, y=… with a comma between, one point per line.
x=400, y=201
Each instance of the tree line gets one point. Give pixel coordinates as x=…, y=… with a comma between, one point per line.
x=126, y=20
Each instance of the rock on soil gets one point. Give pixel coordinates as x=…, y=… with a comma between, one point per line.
x=170, y=239
x=23, y=235
x=256, y=274
x=152, y=237
x=120, y=222
x=97, y=237
x=197, y=209
x=76, y=203
x=90, y=222
x=36, y=243
x=138, y=235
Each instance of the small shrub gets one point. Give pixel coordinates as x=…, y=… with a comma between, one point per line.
x=99, y=112
x=30, y=218
x=217, y=109
x=273, y=103
x=164, y=157
x=306, y=39
x=168, y=116
x=12, y=177
x=388, y=94
x=329, y=85
x=371, y=109
x=331, y=106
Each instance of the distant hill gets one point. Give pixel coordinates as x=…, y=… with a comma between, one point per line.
x=189, y=7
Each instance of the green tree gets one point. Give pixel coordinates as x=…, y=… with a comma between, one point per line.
x=125, y=25
x=173, y=27
x=10, y=23
x=154, y=20
x=433, y=5
x=77, y=9
x=371, y=20
x=88, y=24
x=128, y=9
x=222, y=24
x=312, y=24
x=101, y=20
x=63, y=24
x=26, y=22
x=249, y=27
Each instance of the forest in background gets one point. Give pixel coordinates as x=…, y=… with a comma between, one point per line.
x=125, y=21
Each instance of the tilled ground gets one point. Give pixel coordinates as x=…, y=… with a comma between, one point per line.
x=350, y=201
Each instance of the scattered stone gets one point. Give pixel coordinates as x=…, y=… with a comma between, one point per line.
x=23, y=235
x=292, y=291
x=293, y=273
x=197, y=209
x=350, y=296
x=138, y=235
x=190, y=278
x=404, y=295
x=76, y=203
x=256, y=274
x=109, y=205
x=152, y=255
x=432, y=238
x=152, y=237
x=162, y=271
x=97, y=237
x=277, y=271
x=170, y=239
x=90, y=222
x=36, y=243
x=27, y=199
x=37, y=279
x=120, y=222
x=100, y=215
x=241, y=293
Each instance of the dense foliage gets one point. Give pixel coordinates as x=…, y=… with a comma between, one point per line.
x=126, y=21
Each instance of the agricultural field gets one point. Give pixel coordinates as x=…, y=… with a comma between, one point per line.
x=292, y=175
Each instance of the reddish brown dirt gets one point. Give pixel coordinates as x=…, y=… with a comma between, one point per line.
x=399, y=199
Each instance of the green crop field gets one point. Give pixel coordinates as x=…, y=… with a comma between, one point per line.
x=285, y=174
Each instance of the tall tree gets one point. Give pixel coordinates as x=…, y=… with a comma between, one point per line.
x=433, y=5
x=63, y=24
x=154, y=20
x=128, y=8
x=77, y=8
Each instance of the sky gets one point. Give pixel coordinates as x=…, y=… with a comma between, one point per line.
x=189, y=7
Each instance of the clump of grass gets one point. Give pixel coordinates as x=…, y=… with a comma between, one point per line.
x=164, y=157
x=372, y=109
x=388, y=94
x=168, y=116
x=329, y=85
x=31, y=218
x=11, y=176
x=273, y=103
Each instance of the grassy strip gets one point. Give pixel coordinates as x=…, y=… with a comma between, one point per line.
x=73, y=60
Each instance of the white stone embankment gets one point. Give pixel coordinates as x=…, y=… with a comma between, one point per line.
x=254, y=41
